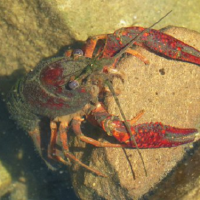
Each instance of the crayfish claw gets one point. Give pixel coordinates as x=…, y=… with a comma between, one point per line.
x=157, y=135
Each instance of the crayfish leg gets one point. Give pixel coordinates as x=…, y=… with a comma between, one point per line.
x=63, y=137
x=136, y=118
x=68, y=53
x=36, y=137
x=52, y=145
x=76, y=126
x=138, y=55
x=91, y=44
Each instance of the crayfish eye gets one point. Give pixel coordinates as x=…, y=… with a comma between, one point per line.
x=73, y=85
x=77, y=52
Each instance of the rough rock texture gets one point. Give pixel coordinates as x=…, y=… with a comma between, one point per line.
x=28, y=34
x=168, y=91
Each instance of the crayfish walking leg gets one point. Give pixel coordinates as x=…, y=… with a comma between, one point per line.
x=63, y=126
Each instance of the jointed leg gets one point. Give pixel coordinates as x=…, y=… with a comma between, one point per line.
x=35, y=135
x=91, y=44
x=76, y=126
x=68, y=53
x=138, y=55
x=63, y=137
x=52, y=145
x=136, y=118
x=133, y=53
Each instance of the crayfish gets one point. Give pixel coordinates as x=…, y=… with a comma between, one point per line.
x=69, y=89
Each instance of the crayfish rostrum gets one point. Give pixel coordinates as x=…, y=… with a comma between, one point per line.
x=66, y=89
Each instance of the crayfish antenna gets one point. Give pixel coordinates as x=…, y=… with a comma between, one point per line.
x=127, y=125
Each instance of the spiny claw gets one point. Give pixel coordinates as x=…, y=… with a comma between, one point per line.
x=156, y=135
x=180, y=135
x=150, y=39
x=169, y=46
x=147, y=135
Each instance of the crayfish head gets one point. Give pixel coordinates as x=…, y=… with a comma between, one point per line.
x=49, y=90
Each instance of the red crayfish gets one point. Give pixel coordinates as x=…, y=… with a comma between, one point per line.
x=66, y=89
